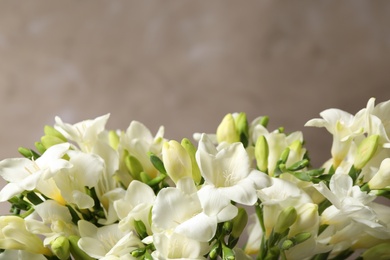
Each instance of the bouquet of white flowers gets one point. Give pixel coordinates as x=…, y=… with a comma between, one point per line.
x=243, y=192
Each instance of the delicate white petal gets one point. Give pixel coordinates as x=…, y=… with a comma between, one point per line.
x=15, y=169
x=200, y=227
x=92, y=247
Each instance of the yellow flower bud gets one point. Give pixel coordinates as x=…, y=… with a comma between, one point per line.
x=382, y=178
x=261, y=153
x=285, y=219
x=366, y=151
x=61, y=247
x=227, y=131
x=191, y=150
x=177, y=161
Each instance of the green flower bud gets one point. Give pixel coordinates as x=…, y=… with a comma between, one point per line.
x=261, y=153
x=264, y=121
x=242, y=127
x=379, y=252
x=157, y=163
x=214, y=251
x=176, y=160
x=61, y=247
x=40, y=147
x=140, y=228
x=227, y=253
x=191, y=150
x=227, y=131
x=287, y=244
x=138, y=252
x=239, y=222
x=285, y=219
x=48, y=141
x=366, y=151
x=133, y=166
x=113, y=139
x=75, y=250
x=301, y=237
x=51, y=131
x=28, y=153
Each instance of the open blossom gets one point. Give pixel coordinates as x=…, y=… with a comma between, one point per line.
x=180, y=210
x=138, y=141
x=343, y=126
x=85, y=133
x=24, y=174
x=15, y=236
x=54, y=220
x=135, y=205
x=227, y=172
x=107, y=242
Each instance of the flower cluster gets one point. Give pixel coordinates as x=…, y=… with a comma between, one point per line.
x=243, y=192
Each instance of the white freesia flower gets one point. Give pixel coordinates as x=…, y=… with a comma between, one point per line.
x=176, y=246
x=86, y=172
x=106, y=242
x=135, y=205
x=343, y=126
x=15, y=236
x=277, y=197
x=350, y=205
x=180, y=210
x=138, y=141
x=24, y=174
x=227, y=172
x=55, y=220
x=84, y=133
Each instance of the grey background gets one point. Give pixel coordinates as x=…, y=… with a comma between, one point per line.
x=185, y=64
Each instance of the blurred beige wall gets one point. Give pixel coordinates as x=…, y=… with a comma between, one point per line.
x=185, y=64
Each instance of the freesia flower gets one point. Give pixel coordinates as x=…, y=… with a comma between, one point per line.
x=138, y=141
x=106, y=242
x=180, y=210
x=135, y=205
x=55, y=220
x=86, y=171
x=170, y=246
x=227, y=172
x=84, y=133
x=343, y=126
x=15, y=236
x=24, y=174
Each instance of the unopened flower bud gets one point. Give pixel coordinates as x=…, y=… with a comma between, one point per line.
x=382, y=178
x=307, y=219
x=227, y=131
x=61, y=248
x=227, y=253
x=51, y=131
x=239, y=222
x=301, y=237
x=133, y=166
x=285, y=219
x=366, y=151
x=191, y=150
x=48, y=141
x=242, y=127
x=377, y=252
x=261, y=153
x=75, y=250
x=287, y=244
x=176, y=160
x=113, y=139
